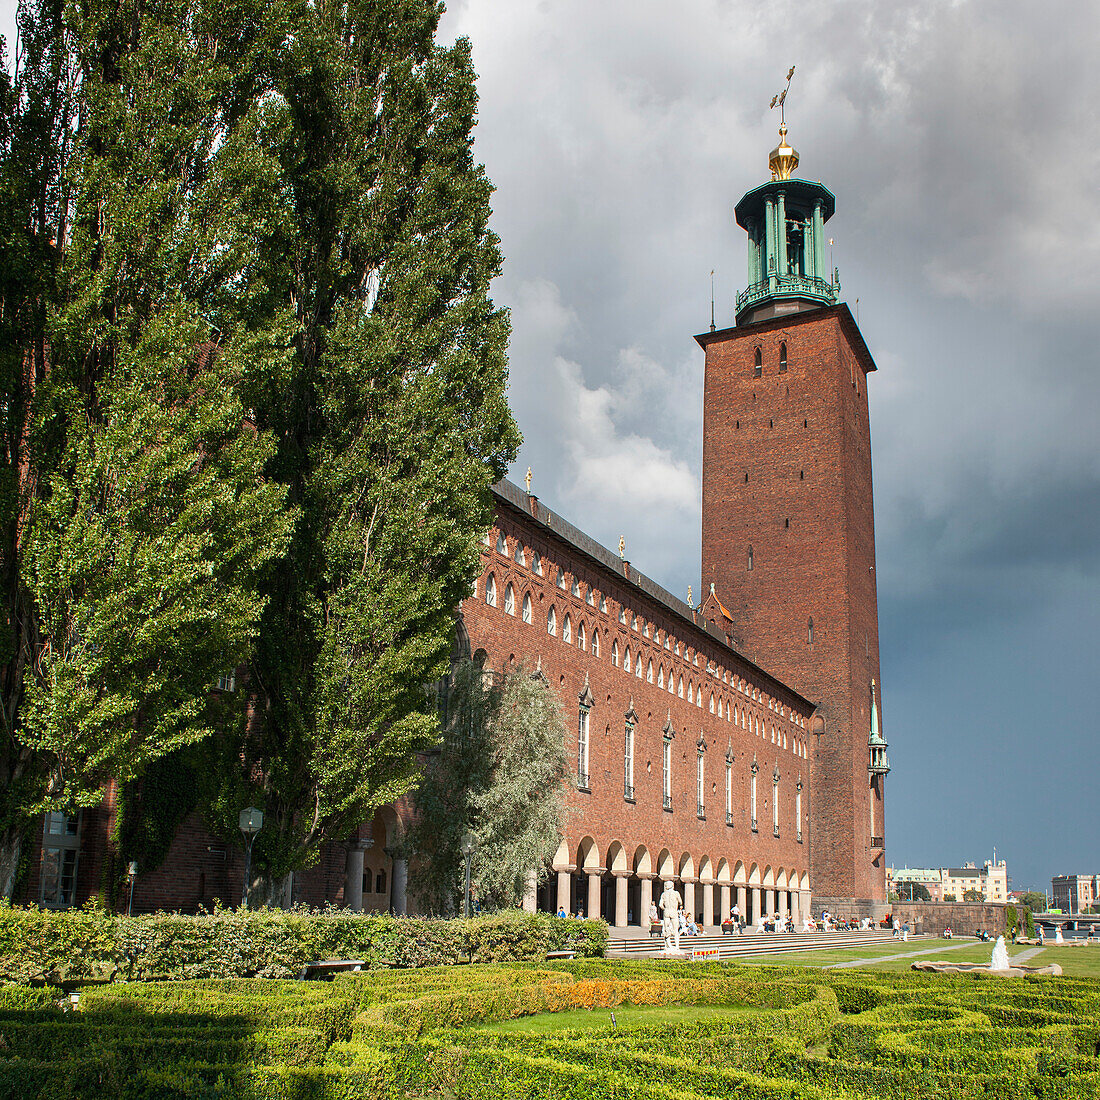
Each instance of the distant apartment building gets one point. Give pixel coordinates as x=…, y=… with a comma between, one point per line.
x=952, y=883
x=1075, y=893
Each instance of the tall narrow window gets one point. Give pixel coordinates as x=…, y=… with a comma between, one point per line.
x=603, y=604
x=590, y=597
x=810, y=632
x=561, y=577
x=502, y=545
x=615, y=653
x=527, y=609
x=775, y=802
x=567, y=629
x=626, y=660
x=491, y=591
x=509, y=600
x=582, y=641
x=551, y=622
x=628, y=762
x=700, y=784
x=752, y=796
x=536, y=563
x=691, y=693
x=638, y=666
x=582, y=748
x=798, y=811
x=757, y=364
x=521, y=558
x=666, y=774
x=660, y=676
x=750, y=557
x=595, y=643
x=729, y=787
x=783, y=357
x=671, y=682
x=680, y=689
x=712, y=706
x=575, y=588
x=60, y=853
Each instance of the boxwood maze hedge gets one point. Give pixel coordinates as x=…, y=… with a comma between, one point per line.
x=810, y=1034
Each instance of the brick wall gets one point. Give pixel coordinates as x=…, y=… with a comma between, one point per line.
x=787, y=472
x=964, y=919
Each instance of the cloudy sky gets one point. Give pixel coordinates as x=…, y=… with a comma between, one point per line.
x=962, y=142
x=963, y=145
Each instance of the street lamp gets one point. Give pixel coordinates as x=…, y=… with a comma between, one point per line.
x=131, y=874
x=467, y=846
x=251, y=822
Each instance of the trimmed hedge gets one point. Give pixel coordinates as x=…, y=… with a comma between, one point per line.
x=91, y=944
x=391, y=1033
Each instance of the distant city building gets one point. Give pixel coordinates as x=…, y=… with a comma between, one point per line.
x=1075, y=893
x=952, y=883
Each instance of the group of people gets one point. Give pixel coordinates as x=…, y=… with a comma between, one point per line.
x=901, y=931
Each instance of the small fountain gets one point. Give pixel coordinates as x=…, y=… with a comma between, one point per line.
x=999, y=964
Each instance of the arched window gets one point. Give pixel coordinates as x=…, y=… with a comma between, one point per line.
x=561, y=577
x=551, y=622
x=757, y=364
x=521, y=558
x=575, y=588
x=691, y=693
x=509, y=600
x=671, y=683
x=660, y=676
x=582, y=638
x=633, y=621
x=680, y=689
x=638, y=666
x=595, y=642
x=536, y=563
x=603, y=604
x=615, y=653
x=810, y=632
x=783, y=357
x=590, y=597
x=567, y=629
x=699, y=696
x=668, y=642
x=502, y=546
x=527, y=609
x=622, y=615
x=491, y=591
x=712, y=706
x=750, y=557
x=626, y=660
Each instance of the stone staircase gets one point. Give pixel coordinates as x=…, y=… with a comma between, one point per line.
x=748, y=945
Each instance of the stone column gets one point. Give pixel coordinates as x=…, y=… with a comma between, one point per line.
x=708, y=904
x=565, y=878
x=769, y=240
x=689, y=897
x=646, y=900
x=622, y=879
x=399, y=889
x=755, y=893
x=743, y=901
x=353, y=885
x=595, y=881
x=796, y=910
x=723, y=902
x=531, y=893
x=804, y=901
x=819, y=245
x=781, y=909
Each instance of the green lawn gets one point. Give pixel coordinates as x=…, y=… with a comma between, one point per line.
x=599, y=1019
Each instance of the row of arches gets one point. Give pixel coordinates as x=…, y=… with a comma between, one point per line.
x=620, y=881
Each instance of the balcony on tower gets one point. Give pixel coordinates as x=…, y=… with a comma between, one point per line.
x=785, y=222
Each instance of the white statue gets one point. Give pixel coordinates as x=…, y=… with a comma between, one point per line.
x=670, y=909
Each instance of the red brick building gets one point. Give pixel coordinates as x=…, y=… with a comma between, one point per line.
x=734, y=748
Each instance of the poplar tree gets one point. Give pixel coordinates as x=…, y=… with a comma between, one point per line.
x=135, y=517
x=389, y=414
x=501, y=773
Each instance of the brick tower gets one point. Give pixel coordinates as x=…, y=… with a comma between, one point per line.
x=788, y=523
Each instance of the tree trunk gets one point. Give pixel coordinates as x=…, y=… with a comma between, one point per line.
x=11, y=848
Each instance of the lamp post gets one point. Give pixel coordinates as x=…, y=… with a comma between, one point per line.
x=131, y=874
x=467, y=846
x=251, y=822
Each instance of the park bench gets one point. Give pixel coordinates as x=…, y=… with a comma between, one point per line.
x=327, y=967
x=560, y=954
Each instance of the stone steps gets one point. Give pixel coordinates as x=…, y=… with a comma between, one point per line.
x=732, y=947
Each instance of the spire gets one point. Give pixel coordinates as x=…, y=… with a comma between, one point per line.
x=784, y=158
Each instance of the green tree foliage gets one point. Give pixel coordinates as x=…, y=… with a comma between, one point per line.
x=502, y=775
x=135, y=519
x=352, y=140
x=1034, y=901
x=913, y=891
x=973, y=896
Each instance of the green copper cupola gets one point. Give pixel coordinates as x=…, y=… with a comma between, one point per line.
x=785, y=221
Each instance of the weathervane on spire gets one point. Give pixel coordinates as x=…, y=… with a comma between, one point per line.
x=779, y=100
x=784, y=159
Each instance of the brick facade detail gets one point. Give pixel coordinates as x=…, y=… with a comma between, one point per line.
x=788, y=542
